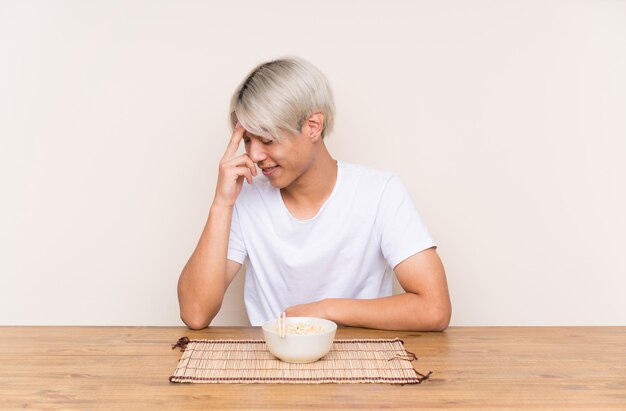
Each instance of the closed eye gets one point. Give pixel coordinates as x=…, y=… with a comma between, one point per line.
x=265, y=141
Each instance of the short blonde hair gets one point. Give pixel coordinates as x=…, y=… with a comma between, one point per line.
x=279, y=95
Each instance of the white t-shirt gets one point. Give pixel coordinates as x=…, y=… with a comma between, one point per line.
x=365, y=228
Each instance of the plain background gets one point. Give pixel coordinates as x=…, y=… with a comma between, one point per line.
x=505, y=119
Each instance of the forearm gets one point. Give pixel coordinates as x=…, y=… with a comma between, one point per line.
x=399, y=312
x=203, y=281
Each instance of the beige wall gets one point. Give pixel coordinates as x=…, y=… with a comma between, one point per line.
x=506, y=120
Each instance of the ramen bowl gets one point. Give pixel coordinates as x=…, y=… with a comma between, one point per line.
x=307, y=339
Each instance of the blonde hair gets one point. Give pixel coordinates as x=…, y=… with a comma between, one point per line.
x=280, y=95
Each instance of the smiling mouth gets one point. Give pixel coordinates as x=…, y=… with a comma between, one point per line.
x=269, y=170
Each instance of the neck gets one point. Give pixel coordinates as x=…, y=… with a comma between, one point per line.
x=314, y=186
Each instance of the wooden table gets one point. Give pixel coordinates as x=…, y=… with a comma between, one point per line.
x=476, y=368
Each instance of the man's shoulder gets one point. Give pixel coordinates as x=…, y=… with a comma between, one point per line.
x=257, y=191
x=366, y=175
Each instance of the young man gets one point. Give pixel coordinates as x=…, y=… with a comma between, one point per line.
x=319, y=237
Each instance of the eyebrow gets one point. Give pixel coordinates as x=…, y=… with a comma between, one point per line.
x=248, y=135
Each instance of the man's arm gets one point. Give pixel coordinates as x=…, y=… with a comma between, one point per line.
x=424, y=307
x=207, y=274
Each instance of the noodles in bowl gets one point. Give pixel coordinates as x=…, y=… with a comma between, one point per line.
x=306, y=339
x=302, y=328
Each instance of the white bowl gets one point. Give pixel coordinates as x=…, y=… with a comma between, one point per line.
x=300, y=348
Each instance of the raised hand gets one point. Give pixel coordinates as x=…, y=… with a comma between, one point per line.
x=233, y=169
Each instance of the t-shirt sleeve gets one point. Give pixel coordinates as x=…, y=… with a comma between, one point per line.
x=401, y=229
x=236, y=246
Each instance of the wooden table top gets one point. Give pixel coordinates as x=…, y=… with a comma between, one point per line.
x=474, y=368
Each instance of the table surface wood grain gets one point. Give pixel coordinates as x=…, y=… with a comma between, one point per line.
x=474, y=368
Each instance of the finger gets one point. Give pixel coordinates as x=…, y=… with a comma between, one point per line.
x=243, y=160
x=245, y=173
x=235, y=140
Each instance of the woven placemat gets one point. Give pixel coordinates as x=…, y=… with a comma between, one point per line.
x=249, y=361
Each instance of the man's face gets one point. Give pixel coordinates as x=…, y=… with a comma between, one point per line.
x=282, y=162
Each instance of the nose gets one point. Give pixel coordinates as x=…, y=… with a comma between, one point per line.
x=256, y=151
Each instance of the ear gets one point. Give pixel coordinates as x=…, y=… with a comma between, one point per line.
x=314, y=126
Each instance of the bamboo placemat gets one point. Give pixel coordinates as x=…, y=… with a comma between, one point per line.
x=249, y=361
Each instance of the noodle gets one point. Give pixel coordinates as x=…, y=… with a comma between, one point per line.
x=302, y=328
